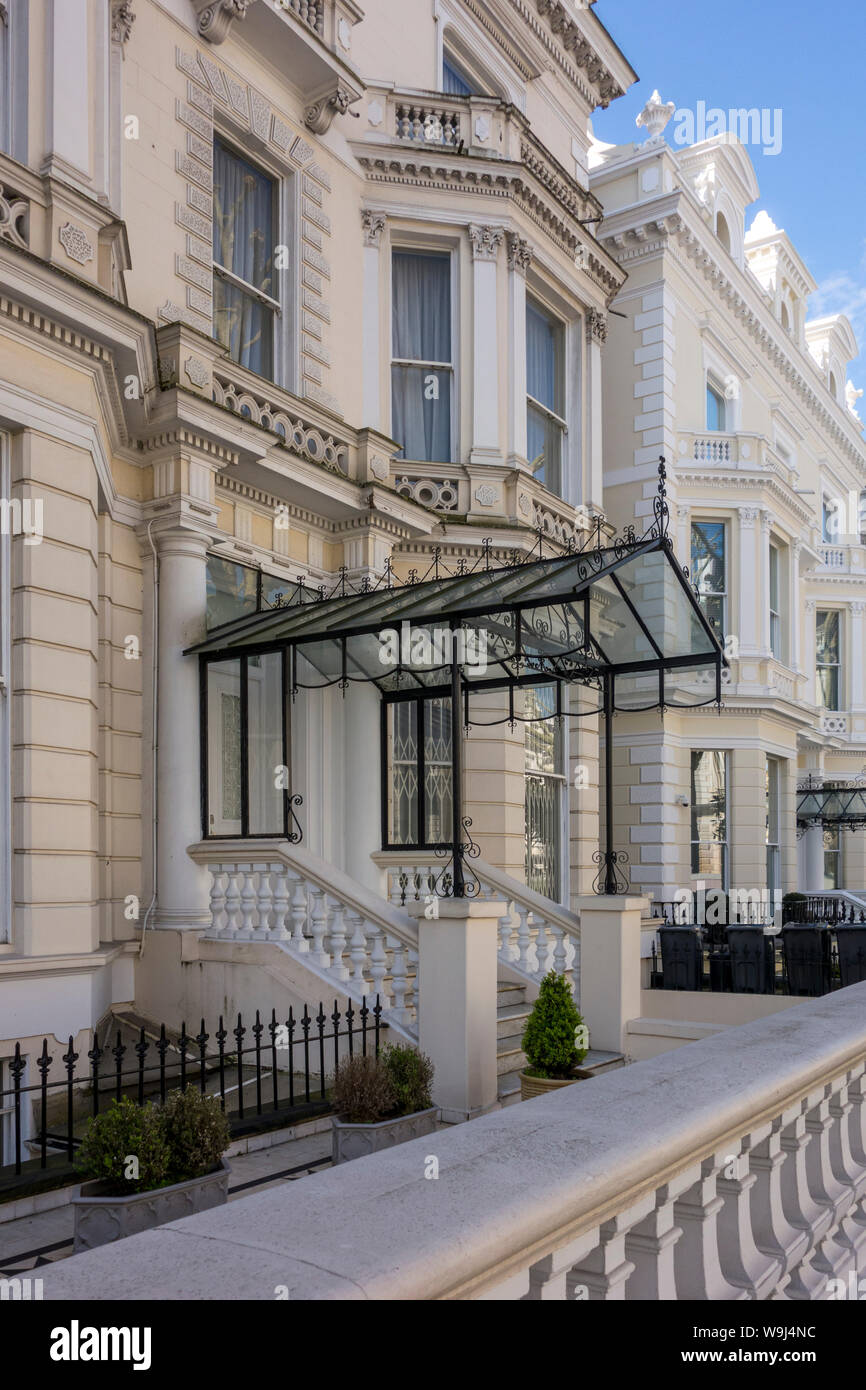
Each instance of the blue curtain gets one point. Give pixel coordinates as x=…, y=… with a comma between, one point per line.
x=421, y=332
x=453, y=80
x=243, y=242
x=543, y=382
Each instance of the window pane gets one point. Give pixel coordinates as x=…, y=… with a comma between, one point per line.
x=543, y=835
x=828, y=686
x=708, y=556
x=402, y=784
x=421, y=413
x=831, y=859
x=544, y=448
x=421, y=307
x=244, y=326
x=437, y=771
x=231, y=591
x=267, y=774
x=453, y=80
x=709, y=816
x=224, y=747
x=827, y=636
x=715, y=410
x=543, y=739
x=243, y=220
x=543, y=358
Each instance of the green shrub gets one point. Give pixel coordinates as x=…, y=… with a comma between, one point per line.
x=549, y=1036
x=362, y=1092
x=122, y=1132
x=411, y=1076
x=197, y=1133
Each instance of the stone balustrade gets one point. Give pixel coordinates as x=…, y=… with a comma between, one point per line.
x=349, y=937
x=732, y=1169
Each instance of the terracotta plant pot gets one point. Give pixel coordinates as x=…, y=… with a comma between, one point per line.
x=531, y=1086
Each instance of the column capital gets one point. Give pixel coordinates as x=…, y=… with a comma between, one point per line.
x=373, y=224
x=518, y=251
x=486, y=241
x=857, y=607
x=122, y=20
x=767, y=520
x=596, y=326
x=748, y=517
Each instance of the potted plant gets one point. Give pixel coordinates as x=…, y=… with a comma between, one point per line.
x=554, y=1040
x=380, y=1102
x=149, y=1164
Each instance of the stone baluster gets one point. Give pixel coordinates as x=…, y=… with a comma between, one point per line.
x=233, y=901
x=801, y=1210
x=542, y=948
x=774, y=1233
x=524, y=938
x=857, y=1130
x=650, y=1244
x=378, y=965
x=279, y=930
x=836, y=1253
x=218, y=884
x=744, y=1264
x=559, y=955
x=337, y=940
x=248, y=901
x=299, y=915
x=843, y=1163
x=358, y=952
x=606, y=1269
x=398, y=977
x=697, y=1263
x=412, y=985
x=553, y=1278
x=506, y=927
x=318, y=925
x=394, y=890
x=265, y=904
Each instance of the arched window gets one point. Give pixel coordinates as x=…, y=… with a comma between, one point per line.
x=723, y=231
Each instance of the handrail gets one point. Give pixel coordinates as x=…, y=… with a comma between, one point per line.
x=661, y=1180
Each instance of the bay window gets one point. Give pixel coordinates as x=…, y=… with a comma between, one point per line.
x=421, y=355
x=709, y=815
x=245, y=302
x=827, y=658
x=545, y=397
x=709, y=570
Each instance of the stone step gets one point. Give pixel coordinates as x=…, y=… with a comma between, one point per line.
x=511, y=1018
x=509, y=1054
x=509, y=1088
x=595, y=1063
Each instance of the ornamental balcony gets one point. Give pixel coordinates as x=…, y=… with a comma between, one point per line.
x=742, y=452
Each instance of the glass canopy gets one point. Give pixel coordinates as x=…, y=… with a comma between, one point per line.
x=832, y=804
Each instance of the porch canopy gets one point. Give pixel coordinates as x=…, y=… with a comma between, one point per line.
x=841, y=804
x=622, y=618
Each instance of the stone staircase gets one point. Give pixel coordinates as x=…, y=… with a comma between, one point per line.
x=512, y=1011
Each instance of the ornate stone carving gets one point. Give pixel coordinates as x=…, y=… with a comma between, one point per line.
x=440, y=494
x=75, y=243
x=767, y=520
x=524, y=502
x=852, y=396
x=857, y=609
x=486, y=241
x=13, y=218
x=748, y=517
x=655, y=116
x=518, y=251
x=122, y=19
x=486, y=495
x=482, y=129
x=596, y=326
x=197, y=371
x=373, y=224
x=215, y=17
x=319, y=116
x=379, y=467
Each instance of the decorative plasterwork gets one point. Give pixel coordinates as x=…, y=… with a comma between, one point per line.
x=215, y=17
x=518, y=251
x=13, y=218
x=122, y=20
x=564, y=42
x=596, y=326
x=754, y=483
x=319, y=116
x=655, y=116
x=373, y=223
x=486, y=241
x=75, y=243
x=658, y=234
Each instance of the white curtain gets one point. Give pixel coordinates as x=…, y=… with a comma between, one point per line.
x=421, y=332
x=243, y=243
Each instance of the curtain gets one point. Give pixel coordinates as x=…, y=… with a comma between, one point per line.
x=243, y=243
x=543, y=435
x=421, y=332
x=453, y=81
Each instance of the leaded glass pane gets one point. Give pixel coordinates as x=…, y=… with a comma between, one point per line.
x=402, y=788
x=437, y=771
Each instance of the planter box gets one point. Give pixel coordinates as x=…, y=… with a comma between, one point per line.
x=531, y=1086
x=100, y=1220
x=354, y=1141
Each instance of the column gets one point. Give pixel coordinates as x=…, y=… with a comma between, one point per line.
x=812, y=861
x=362, y=784
x=182, y=886
x=485, y=241
x=610, y=968
x=371, y=337
x=519, y=256
x=457, y=968
x=763, y=594
x=810, y=693
x=857, y=663
x=596, y=335
x=748, y=580
x=794, y=610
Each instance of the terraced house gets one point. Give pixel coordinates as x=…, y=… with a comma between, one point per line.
x=300, y=306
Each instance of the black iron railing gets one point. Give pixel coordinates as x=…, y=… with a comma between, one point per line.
x=803, y=960
x=285, y=1063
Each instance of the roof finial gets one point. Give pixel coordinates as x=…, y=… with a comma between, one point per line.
x=655, y=116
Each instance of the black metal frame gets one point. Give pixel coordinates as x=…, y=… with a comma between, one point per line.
x=588, y=662
x=417, y=698
x=851, y=799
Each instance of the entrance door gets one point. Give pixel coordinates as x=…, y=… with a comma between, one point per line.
x=224, y=748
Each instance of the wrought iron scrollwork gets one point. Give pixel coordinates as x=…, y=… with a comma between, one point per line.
x=610, y=878
x=454, y=881
x=296, y=834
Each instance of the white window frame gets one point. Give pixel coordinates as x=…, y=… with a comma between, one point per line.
x=777, y=633
x=541, y=307
x=14, y=80
x=725, y=875
x=838, y=666
x=723, y=594
x=5, y=705
x=430, y=247
x=713, y=386
x=286, y=365
x=774, y=846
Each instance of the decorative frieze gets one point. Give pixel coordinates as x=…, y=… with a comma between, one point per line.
x=13, y=217
x=75, y=243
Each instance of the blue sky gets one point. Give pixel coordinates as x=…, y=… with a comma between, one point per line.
x=805, y=59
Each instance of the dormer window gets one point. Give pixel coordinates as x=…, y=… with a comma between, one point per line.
x=834, y=390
